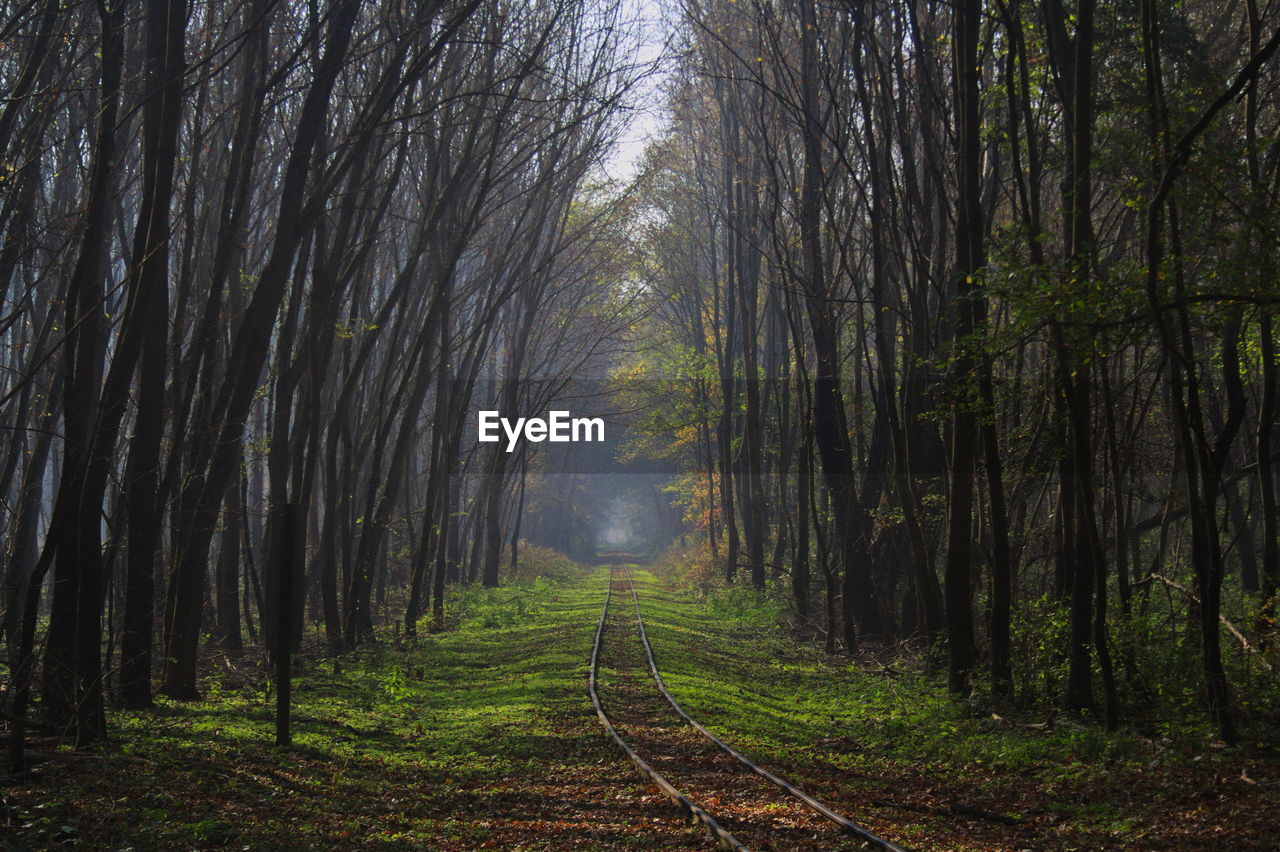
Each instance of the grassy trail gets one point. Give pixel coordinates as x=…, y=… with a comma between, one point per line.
x=483, y=738
x=753, y=811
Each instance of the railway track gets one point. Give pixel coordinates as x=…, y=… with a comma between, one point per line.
x=779, y=815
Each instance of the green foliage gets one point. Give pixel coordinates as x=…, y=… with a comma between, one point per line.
x=1163, y=671
x=1159, y=672
x=1039, y=632
x=504, y=607
x=743, y=606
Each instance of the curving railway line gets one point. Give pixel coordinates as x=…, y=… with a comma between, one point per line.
x=710, y=774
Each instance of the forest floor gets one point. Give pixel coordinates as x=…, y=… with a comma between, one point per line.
x=482, y=737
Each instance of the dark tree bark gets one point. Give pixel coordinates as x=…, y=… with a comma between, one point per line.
x=71, y=685
x=970, y=259
x=166, y=34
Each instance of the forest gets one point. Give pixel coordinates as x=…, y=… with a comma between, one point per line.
x=934, y=350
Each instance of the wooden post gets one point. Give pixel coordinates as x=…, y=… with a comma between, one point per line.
x=290, y=548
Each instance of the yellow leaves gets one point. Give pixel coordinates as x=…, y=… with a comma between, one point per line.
x=687, y=436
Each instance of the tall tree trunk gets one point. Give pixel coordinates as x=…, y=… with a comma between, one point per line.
x=1263, y=445
x=970, y=259
x=227, y=572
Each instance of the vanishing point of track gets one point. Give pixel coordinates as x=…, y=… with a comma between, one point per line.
x=682, y=801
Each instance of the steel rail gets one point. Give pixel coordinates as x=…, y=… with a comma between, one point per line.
x=846, y=824
x=681, y=801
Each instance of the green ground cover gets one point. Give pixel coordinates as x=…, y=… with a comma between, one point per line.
x=483, y=737
x=883, y=740
x=452, y=741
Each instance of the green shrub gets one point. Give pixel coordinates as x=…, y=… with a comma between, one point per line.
x=1039, y=633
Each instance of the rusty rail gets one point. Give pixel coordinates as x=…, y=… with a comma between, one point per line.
x=681, y=801
x=847, y=825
